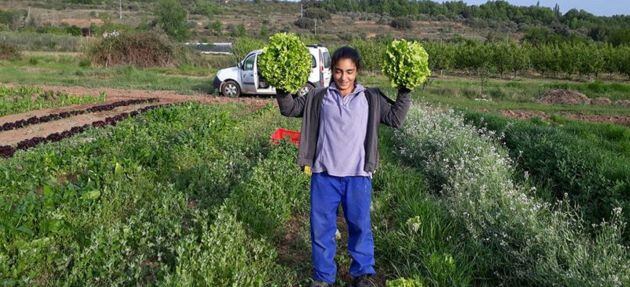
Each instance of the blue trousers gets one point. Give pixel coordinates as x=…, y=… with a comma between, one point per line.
x=354, y=193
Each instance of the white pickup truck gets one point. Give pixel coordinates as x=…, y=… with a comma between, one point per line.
x=245, y=78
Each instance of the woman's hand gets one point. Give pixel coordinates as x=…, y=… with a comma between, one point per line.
x=403, y=90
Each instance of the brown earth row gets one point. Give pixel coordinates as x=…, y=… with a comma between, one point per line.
x=12, y=137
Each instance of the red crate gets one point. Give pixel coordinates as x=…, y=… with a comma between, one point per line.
x=279, y=134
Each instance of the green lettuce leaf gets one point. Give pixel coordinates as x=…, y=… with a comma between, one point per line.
x=406, y=64
x=285, y=63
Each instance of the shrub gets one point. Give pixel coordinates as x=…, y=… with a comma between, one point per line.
x=9, y=52
x=401, y=23
x=11, y=18
x=139, y=49
x=587, y=162
x=237, y=30
x=317, y=13
x=244, y=45
x=305, y=23
x=521, y=240
x=84, y=63
x=216, y=27
x=171, y=16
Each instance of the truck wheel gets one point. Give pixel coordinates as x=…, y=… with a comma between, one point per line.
x=230, y=89
x=304, y=90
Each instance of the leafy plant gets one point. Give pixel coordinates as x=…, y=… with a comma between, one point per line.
x=172, y=18
x=285, y=63
x=403, y=282
x=406, y=64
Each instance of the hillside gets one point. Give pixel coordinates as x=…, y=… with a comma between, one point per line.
x=257, y=20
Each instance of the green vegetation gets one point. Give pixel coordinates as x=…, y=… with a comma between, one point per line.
x=66, y=69
x=406, y=64
x=9, y=52
x=573, y=25
x=171, y=17
x=500, y=58
x=140, y=194
x=138, y=49
x=23, y=99
x=243, y=45
x=195, y=193
x=516, y=238
x=31, y=41
x=285, y=62
x=584, y=162
x=495, y=95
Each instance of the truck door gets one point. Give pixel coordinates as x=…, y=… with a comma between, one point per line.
x=248, y=75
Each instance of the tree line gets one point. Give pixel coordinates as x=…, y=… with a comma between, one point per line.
x=574, y=23
x=508, y=57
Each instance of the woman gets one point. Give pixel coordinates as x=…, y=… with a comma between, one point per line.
x=339, y=141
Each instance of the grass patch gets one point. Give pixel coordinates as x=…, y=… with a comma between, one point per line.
x=66, y=70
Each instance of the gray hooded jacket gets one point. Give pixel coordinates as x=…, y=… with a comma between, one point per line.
x=381, y=109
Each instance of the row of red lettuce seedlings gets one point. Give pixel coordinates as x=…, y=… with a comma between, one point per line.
x=52, y=117
x=7, y=151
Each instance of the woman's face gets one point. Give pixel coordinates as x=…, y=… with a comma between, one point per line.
x=344, y=74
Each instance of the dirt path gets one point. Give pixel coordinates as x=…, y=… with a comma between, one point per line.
x=12, y=137
x=525, y=114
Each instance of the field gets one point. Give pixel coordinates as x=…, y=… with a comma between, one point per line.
x=170, y=195
x=129, y=175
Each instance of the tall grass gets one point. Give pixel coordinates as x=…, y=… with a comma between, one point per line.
x=32, y=41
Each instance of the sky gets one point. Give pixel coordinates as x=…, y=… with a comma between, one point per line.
x=597, y=7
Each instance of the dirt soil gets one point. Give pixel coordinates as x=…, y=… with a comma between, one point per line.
x=561, y=96
x=524, y=114
x=12, y=137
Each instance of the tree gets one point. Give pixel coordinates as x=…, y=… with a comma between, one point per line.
x=623, y=60
x=171, y=16
x=501, y=57
x=556, y=11
x=520, y=58
x=441, y=56
x=375, y=50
